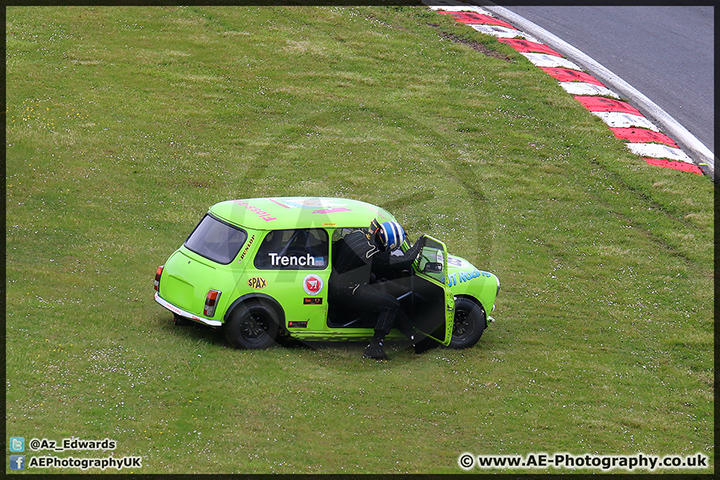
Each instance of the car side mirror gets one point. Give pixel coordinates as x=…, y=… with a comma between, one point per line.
x=433, y=267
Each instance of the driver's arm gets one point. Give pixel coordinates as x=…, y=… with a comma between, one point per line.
x=405, y=260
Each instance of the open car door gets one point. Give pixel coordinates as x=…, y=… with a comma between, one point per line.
x=434, y=303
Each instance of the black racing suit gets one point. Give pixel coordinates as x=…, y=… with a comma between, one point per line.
x=353, y=262
x=388, y=264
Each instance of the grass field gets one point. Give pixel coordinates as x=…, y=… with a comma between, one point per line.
x=124, y=125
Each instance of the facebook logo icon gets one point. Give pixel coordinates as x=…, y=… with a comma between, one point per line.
x=17, y=462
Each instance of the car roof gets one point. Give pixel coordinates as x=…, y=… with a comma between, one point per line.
x=283, y=213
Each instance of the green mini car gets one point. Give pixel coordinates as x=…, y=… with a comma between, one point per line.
x=259, y=270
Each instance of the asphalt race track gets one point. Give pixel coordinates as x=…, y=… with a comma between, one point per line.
x=666, y=52
x=620, y=36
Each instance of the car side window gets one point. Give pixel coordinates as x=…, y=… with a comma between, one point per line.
x=303, y=249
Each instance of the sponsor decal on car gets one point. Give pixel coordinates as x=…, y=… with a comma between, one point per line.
x=312, y=203
x=333, y=210
x=456, y=262
x=452, y=260
x=312, y=284
x=261, y=213
x=247, y=247
x=277, y=260
x=461, y=277
x=257, y=283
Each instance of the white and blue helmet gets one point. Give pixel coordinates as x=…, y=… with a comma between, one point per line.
x=391, y=235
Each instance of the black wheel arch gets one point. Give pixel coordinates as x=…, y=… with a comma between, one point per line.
x=469, y=322
x=477, y=302
x=267, y=299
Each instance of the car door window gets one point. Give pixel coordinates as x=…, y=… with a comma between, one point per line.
x=432, y=260
x=302, y=249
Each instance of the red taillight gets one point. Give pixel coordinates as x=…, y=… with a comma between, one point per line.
x=158, y=274
x=211, y=301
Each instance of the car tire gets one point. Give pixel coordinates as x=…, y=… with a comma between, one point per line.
x=252, y=325
x=468, y=325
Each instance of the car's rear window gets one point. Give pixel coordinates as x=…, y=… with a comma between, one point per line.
x=216, y=240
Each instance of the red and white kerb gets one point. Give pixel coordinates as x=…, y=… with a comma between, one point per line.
x=602, y=102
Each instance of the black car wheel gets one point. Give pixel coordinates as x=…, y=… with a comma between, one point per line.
x=252, y=325
x=468, y=325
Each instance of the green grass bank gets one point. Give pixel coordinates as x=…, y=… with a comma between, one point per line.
x=123, y=125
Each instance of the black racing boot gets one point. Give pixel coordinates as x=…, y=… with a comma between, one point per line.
x=375, y=349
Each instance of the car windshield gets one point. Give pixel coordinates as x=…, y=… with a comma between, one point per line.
x=216, y=240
